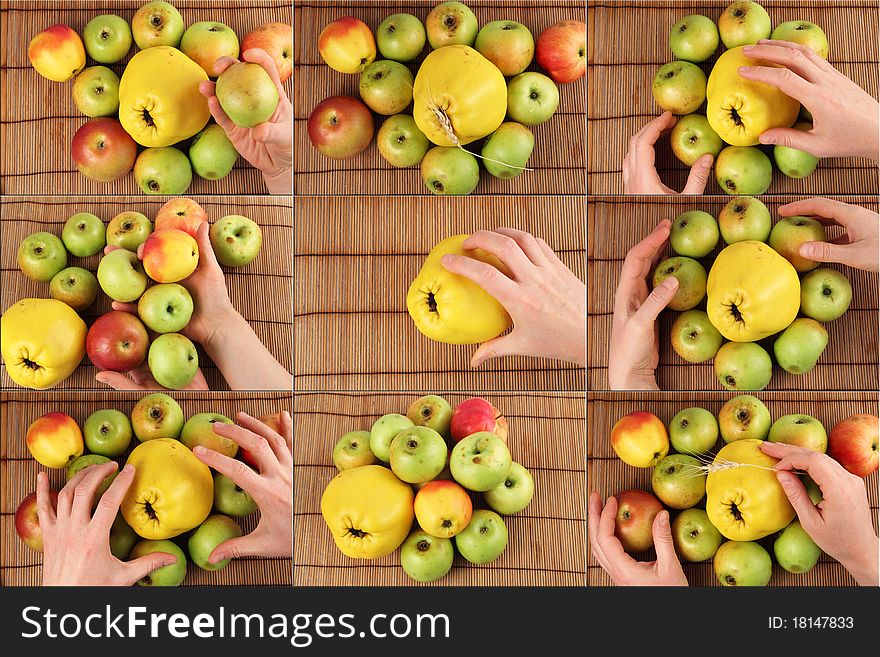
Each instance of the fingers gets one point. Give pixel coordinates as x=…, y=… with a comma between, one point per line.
x=220, y=116
x=663, y=545
x=794, y=490
x=222, y=64
x=87, y=488
x=270, y=132
x=699, y=175
x=801, y=140
x=650, y=133
x=824, y=251
x=822, y=468
x=529, y=244
x=505, y=248
x=130, y=308
x=506, y=345
x=257, y=428
x=110, y=247
x=659, y=298
x=486, y=276
x=842, y=213
x=45, y=510
x=261, y=57
x=287, y=430
x=108, y=505
x=242, y=475
x=641, y=257
x=241, y=546
x=783, y=79
x=207, y=89
x=207, y=257
x=118, y=381
x=805, y=60
x=142, y=566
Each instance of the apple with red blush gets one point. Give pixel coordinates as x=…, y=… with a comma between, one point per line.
x=475, y=415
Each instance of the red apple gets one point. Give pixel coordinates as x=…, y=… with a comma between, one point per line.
x=277, y=40
x=181, y=213
x=853, y=444
x=340, y=127
x=27, y=522
x=117, y=341
x=562, y=50
x=103, y=150
x=475, y=415
x=636, y=510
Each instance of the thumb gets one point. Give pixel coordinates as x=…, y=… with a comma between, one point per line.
x=823, y=251
x=143, y=566
x=272, y=133
x=506, y=345
x=241, y=546
x=699, y=175
x=118, y=381
x=663, y=545
x=789, y=137
x=658, y=300
x=794, y=490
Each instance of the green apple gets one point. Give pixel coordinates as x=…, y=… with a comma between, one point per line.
x=825, y=294
x=41, y=256
x=532, y=98
x=507, y=44
x=172, y=575
x=401, y=142
x=121, y=276
x=507, y=150
x=743, y=366
x=386, y=87
x=247, y=94
x=173, y=360
x=75, y=286
x=96, y=92
x=801, y=430
x=207, y=41
x=744, y=218
x=157, y=416
x=691, y=277
x=799, y=347
x=107, y=432
x=211, y=533
x=211, y=153
x=163, y=171
x=678, y=481
x=199, y=430
x=128, y=230
x=794, y=550
x=451, y=23
x=803, y=32
x=679, y=87
x=401, y=37
x=743, y=23
x=417, y=454
x=166, y=308
x=694, y=536
x=694, y=38
x=431, y=411
x=514, y=493
x=383, y=431
x=484, y=538
x=790, y=233
x=88, y=460
x=694, y=338
x=236, y=240
x=792, y=162
x=83, y=235
x=480, y=462
x=107, y=38
x=353, y=451
x=743, y=170
x=157, y=24
x=744, y=417
x=122, y=538
x=426, y=558
x=694, y=234
x=743, y=563
x=692, y=137
x=450, y=171
x=231, y=500
x=693, y=430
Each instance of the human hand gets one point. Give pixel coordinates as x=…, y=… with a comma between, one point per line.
x=623, y=569
x=841, y=523
x=858, y=247
x=269, y=145
x=846, y=119
x=76, y=544
x=140, y=378
x=543, y=297
x=634, y=352
x=271, y=486
x=639, y=173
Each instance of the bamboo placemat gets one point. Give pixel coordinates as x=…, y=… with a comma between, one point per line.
x=355, y=259
x=559, y=158
x=260, y=291
x=617, y=224
x=608, y=475
x=21, y=566
x=545, y=541
x=629, y=41
x=38, y=117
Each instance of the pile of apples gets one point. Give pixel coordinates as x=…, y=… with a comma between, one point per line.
x=758, y=287
x=744, y=502
x=157, y=103
x=737, y=110
x=461, y=84
x=425, y=465
x=173, y=493
x=55, y=338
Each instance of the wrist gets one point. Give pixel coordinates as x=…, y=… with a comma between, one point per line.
x=279, y=183
x=222, y=322
x=864, y=567
x=631, y=379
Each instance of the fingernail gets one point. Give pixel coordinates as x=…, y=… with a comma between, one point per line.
x=169, y=562
x=784, y=479
x=669, y=283
x=744, y=69
x=664, y=519
x=766, y=139
x=198, y=449
x=128, y=469
x=807, y=250
x=447, y=259
x=216, y=558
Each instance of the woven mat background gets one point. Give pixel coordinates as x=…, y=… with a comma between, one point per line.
x=21, y=566
x=608, y=475
x=259, y=291
x=559, y=157
x=355, y=259
x=546, y=540
x=620, y=70
x=38, y=117
x=617, y=224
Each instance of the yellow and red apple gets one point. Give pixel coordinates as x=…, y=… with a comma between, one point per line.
x=443, y=508
x=181, y=213
x=170, y=255
x=853, y=443
x=640, y=439
x=277, y=40
x=54, y=440
x=475, y=415
x=27, y=521
x=347, y=45
x=57, y=53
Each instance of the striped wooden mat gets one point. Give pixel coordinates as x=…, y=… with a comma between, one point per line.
x=608, y=475
x=38, y=117
x=618, y=224
x=560, y=147
x=21, y=566
x=546, y=541
x=355, y=259
x=259, y=291
x=630, y=41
